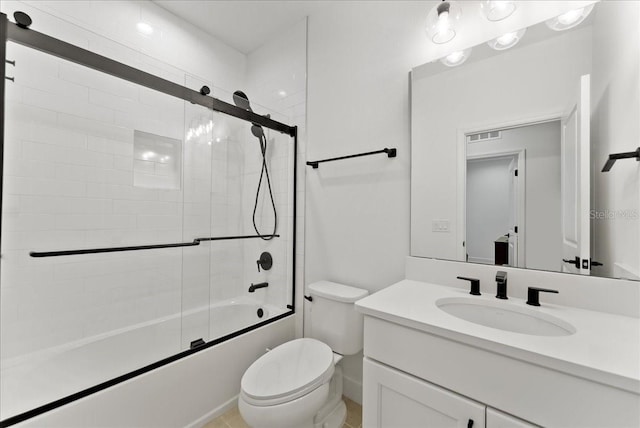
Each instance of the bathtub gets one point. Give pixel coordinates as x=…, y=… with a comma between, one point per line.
x=33, y=380
x=236, y=314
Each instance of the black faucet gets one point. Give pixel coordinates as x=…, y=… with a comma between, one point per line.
x=254, y=287
x=475, y=285
x=533, y=295
x=501, y=280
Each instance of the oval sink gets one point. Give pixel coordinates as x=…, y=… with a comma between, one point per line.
x=505, y=316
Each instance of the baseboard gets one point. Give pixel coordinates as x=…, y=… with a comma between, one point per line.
x=352, y=389
x=218, y=411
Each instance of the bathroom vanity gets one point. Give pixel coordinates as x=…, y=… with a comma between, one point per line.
x=430, y=361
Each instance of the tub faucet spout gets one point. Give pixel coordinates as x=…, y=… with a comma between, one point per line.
x=254, y=287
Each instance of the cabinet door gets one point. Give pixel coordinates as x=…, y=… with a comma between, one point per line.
x=497, y=419
x=393, y=399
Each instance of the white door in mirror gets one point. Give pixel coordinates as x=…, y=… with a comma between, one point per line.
x=575, y=185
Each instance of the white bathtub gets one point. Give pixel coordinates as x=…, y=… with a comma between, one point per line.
x=33, y=380
x=227, y=317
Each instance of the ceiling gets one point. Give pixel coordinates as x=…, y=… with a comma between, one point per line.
x=261, y=19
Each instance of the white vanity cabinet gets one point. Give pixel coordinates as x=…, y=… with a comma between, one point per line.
x=425, y=367
x=393, y=399
x=412, y=377
x=497, y=419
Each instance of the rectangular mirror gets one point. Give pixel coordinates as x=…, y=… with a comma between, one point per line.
x=509, y=147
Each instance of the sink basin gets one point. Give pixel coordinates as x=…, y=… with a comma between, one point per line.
x=505, y=316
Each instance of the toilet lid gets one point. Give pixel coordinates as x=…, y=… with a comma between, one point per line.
x=288, y=371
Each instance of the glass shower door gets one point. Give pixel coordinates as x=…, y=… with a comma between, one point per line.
x=91, y=162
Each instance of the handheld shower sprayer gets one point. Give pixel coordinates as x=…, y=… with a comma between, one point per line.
x=241, y=100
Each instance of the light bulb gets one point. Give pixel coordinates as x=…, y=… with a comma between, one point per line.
x=442, y=21
x=443, y=25
x=507, y=40
x=569, y=19
x=497, y=10
x=456, y=58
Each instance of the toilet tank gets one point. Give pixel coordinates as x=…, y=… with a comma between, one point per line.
x=333, y=316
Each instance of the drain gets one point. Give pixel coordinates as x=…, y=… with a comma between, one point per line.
x=260, y=313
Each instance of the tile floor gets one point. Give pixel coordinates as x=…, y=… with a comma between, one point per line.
x=232, y=418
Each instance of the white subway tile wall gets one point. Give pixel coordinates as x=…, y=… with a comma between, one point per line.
x=71, y=188
x=69, y=183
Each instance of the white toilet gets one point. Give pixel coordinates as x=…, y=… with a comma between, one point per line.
x=298, y=384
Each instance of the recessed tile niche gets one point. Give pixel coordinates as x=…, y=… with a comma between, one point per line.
x=157, y=161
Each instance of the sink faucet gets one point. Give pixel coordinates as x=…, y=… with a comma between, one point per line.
x=501, y=280
x=254, y=287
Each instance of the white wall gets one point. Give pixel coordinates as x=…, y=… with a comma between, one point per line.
x=357, y=210
x=615, y=128
x=277, y=78
x=487, y=206
x=535, y=81
x=542, y=225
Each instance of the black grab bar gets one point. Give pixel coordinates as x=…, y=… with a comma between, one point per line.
x=391, y=153
x=193, y=243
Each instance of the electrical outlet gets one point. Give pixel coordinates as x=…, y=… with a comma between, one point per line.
x=440, y=226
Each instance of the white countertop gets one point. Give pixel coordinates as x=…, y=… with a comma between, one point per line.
x=605, y=348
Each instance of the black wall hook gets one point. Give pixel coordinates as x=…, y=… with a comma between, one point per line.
x=617, y=156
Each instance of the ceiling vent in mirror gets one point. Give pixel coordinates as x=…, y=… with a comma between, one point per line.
x=483, y=136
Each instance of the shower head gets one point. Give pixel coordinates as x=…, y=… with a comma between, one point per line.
x=257, y=131
x=241, y=100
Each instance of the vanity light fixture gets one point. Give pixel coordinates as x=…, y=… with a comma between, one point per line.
x=442, y=21
x=569, y=19
x=456, y=58
x=496, y=10
x=507, y=40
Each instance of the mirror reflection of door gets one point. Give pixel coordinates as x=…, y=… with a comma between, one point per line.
x=512, y=234
x=513, y=196
x=493, y=207
x=575, y=183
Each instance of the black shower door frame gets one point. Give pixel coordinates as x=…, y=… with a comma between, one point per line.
x=10, y=31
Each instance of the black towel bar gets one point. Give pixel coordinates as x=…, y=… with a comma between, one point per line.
x=617, y=156
x=390, y=153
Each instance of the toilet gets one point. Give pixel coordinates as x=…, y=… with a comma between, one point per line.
x=299, y=384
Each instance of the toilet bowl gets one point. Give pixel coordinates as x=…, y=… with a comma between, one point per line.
x=298, y=384
x=287, y=386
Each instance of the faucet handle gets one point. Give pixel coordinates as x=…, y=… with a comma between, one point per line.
x=475, y=285
x=533, y=295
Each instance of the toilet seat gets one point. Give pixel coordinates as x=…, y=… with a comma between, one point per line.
x=287, y=372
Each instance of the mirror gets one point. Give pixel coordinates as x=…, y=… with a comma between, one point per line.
x=508, y=149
